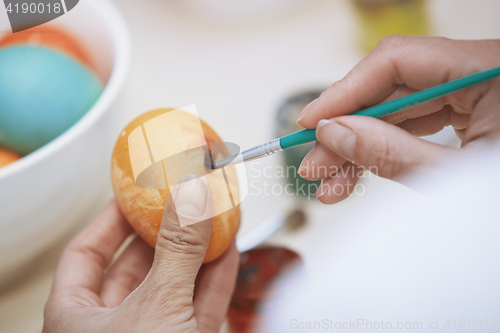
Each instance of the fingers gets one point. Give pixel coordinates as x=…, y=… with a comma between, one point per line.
x=320, y=163
x=416, y=111
x=460, y=134
x=127, y=272
x=169, y=286
x=459, y=121
x=380, y=147
x=429, y=124
x=417, y=62
x=81, y=265
x=214, y=290
x=338, y=187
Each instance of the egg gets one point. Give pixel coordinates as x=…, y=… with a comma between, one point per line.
x=7, y=157
x=143, y=204
x=52, y=37
x=43, y=92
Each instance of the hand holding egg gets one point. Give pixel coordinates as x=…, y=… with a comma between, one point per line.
x=143, y=204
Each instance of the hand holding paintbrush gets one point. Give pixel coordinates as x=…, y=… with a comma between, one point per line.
x=418, y=84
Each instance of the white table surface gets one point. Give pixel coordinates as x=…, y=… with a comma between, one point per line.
x=237, y=74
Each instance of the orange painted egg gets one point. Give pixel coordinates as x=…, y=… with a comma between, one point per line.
x=7, y=157
x=51, y=37
x=152, y=153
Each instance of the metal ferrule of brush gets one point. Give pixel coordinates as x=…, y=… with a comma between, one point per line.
x=266, y=149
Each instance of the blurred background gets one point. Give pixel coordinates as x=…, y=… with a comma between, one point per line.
x=250, y=67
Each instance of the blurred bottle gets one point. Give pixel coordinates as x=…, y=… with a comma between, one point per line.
x=380, y=18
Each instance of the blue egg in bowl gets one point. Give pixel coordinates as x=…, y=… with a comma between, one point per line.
x=43, y=92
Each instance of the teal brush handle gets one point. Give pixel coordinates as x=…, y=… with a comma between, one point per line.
x=381, y=110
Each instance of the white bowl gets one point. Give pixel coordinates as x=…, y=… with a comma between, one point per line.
x=45, y=194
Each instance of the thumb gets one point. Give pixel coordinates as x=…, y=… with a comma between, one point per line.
x=182, y=243
x=382, y=148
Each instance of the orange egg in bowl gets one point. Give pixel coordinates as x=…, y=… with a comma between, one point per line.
x=7, y=157
x=51, y=37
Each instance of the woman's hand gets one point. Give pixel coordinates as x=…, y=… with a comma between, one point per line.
x=399, y=66
x=144, y=290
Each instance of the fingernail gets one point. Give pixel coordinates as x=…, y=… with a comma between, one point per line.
x=306, y=110
x=340, y=137
x=304, y=165
x=322, y=189
x=190, y=196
